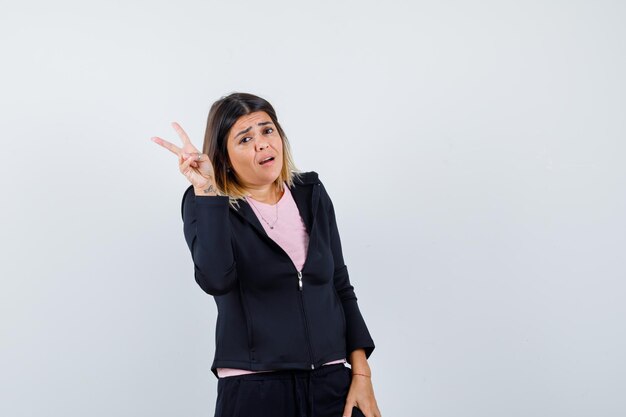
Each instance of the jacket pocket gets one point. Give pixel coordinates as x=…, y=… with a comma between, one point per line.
x=249, y=323
x=343, y=313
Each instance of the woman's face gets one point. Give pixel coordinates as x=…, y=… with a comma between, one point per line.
x=252, y=139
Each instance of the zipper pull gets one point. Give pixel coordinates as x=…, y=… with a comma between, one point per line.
x=300, y=280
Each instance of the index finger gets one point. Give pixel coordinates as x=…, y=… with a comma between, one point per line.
x=167, y=145
x=182, y=134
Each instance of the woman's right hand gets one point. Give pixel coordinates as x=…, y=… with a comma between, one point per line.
x=195, y=166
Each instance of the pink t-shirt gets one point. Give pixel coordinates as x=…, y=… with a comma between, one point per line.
x=289, y=231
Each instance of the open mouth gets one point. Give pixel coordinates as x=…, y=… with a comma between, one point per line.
x=266, y=160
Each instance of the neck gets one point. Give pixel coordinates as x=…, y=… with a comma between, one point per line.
x=268, y=194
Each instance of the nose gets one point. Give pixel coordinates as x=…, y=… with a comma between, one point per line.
x=262, y=145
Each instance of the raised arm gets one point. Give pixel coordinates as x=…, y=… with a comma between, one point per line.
x=205, y=217
x=207, y=232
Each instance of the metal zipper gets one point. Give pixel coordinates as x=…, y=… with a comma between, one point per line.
x=300, y=290
x=306, y=325
x=306, y=328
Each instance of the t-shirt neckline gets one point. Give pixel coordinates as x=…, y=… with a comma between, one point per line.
x=285, y=191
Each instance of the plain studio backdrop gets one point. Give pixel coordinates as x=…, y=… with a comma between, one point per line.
x=474, y=152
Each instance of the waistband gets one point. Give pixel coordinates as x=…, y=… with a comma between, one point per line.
x=288, y=373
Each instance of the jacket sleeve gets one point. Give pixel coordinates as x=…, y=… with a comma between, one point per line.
x=357, y=334
x=207, y=231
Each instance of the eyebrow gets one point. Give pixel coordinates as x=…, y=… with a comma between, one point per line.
x=248, y=129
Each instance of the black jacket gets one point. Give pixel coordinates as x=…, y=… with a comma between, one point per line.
x=270, y=315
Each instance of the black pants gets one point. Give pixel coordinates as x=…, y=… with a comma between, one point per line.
x=318, y=393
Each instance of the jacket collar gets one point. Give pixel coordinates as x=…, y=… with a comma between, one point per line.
x=310, y=177
x=305, y=192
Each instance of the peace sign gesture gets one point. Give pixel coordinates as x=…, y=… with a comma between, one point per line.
x=195, y=166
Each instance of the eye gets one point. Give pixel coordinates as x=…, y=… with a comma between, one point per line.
x=242, y=139
x=269, y=130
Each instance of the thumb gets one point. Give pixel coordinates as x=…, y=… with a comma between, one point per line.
x=195, y=155
x=347, y=410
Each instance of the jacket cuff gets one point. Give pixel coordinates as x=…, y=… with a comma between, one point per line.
x=357, y=334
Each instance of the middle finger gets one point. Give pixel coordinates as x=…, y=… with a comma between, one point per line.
x=182, y=134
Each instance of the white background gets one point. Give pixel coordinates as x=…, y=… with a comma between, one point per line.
x=474, y=152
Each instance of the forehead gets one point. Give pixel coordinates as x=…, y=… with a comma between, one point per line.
x=248, y=120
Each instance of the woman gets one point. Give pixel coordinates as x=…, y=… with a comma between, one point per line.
x=263, y=238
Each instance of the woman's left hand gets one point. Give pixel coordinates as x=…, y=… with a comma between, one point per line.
x=361, y=395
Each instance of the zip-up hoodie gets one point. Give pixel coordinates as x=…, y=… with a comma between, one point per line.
x=271, y=315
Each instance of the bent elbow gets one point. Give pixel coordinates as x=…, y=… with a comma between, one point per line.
x=216, y=284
